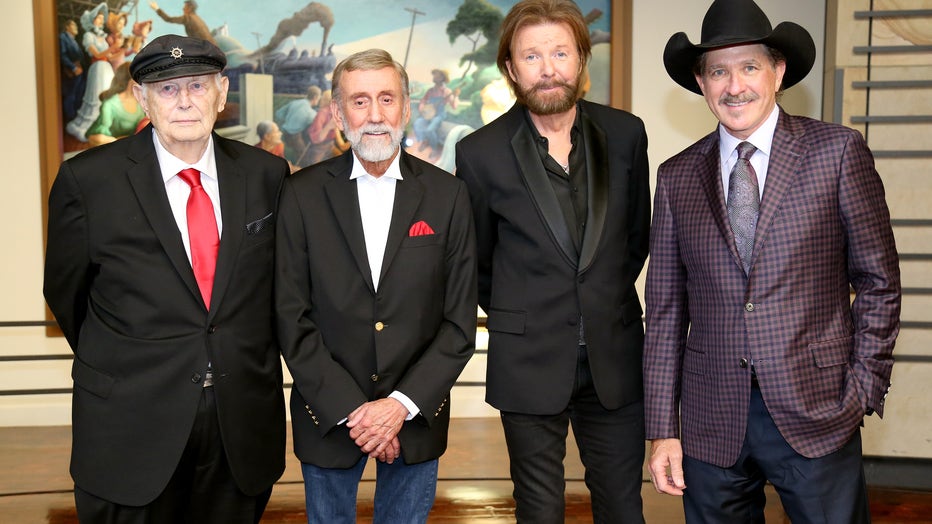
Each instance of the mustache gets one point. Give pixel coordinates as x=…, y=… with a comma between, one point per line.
x=375, y=128
x=540, y=86
x=740, y=99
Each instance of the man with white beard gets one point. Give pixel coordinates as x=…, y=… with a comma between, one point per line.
x=376, y=303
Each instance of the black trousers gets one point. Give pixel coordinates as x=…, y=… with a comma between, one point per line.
x=201, y=490
x=829, y=489
x=611, y=447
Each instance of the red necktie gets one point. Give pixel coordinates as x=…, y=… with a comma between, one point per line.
x=202, y=233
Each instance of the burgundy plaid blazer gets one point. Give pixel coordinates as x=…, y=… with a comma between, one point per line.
x=822, y=360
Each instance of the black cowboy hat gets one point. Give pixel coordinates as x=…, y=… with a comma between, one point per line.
x=735, y=22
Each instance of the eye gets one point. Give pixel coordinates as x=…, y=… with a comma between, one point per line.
x=716, y=73
x=168, y=90
x=532, y=59
x=360, y=102
x=196, y=88
x=561, y=55
x=750, y=68
x=387, y=100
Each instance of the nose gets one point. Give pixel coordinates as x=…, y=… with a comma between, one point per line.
x=375, y=113
x=547, y=66
x=735, y=84
x=184, y=99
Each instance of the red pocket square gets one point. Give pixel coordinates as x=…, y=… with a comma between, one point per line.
x=420, y=228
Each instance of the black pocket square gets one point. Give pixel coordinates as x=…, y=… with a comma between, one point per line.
x=256, y=227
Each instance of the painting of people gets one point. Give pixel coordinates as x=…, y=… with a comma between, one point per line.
x=448, y=48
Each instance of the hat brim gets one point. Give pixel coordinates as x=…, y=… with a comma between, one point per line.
x=680, y=55
x=177, y=71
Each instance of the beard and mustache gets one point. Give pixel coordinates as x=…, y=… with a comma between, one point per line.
x=374, y=150
x=551, y=103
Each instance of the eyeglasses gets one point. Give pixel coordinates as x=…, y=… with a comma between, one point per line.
x=532, y=59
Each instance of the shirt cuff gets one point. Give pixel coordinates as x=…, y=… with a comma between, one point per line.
x=406, y=402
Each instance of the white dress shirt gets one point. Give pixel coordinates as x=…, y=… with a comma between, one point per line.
x=376, y=203
x=762, y=139
x=178, y=190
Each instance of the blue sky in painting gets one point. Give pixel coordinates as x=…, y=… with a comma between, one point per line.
x=354, y=19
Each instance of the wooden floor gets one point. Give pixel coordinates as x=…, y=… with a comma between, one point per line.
x=473, y=488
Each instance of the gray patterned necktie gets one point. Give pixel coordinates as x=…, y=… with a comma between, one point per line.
x=744, y=202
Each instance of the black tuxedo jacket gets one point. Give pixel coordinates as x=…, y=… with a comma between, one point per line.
x=346, y=343
x=120, y=285
x=533, y=284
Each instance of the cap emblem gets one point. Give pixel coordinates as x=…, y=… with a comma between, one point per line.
x=177, y=53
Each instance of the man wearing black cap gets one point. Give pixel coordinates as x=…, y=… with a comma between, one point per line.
x=159, y=272
x=758, y=366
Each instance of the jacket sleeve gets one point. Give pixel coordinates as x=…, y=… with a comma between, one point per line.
x=68, y=270
x=873, y=270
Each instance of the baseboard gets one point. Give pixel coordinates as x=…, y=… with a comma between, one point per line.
x=899, y=472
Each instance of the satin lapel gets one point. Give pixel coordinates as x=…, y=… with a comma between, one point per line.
x=786, y=153
x=146, y=179
x=710, y=176
x=532, y=169
x=408, y=195
x=344, y=204
x=597, y=181
x=232, y=181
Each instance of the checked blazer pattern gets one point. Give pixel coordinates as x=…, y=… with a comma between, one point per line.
x=822, y=360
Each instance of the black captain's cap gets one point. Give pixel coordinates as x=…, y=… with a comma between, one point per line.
x=175, y=56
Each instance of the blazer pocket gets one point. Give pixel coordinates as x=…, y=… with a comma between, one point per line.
x=90, y=379
x=831, y=353
x=254, y=228
x=506, y=321
x=631, y=311
x=694, y=362
x=421, y=240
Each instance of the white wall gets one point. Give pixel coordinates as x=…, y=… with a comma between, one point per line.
x=675, y=117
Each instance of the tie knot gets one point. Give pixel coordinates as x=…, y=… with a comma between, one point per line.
x=191, y=176
x=745, y=150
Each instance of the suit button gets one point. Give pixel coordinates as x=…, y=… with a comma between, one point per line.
x=743, y=363
x=374, y=378
x=379, y=326
x=195, y=378
x=212, y=329
x=749, y=307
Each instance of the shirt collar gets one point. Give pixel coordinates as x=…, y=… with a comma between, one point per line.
x=171, y=165
x=393, y=171
x=762, y=138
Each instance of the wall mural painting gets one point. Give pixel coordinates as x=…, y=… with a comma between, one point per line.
x=447, y=46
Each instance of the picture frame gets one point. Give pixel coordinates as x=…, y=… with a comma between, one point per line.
x=410, y=29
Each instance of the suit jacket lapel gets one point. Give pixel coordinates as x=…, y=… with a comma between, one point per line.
x=710, y=178
x=535, y=176
x=597, y=181
x=408, y=194
x=344, y=204
x=232, y=183
x=146, y=179
x=786, y=152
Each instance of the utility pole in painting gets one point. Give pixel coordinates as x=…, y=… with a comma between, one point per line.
x=414, y=12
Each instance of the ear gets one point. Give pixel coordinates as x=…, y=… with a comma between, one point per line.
x=780, y=70
x=224, y=90
x=511, y=73
x=701, y=83
x=140, y=99
x=337, y=115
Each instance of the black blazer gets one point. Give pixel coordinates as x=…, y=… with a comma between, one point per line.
x=122, y=289
x=346, y=344
x=532, y=282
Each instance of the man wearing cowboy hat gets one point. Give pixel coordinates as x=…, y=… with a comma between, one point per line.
x=159, y=272
x=758, y=366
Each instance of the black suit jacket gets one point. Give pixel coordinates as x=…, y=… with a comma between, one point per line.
x=120, y=285
x=345, y=343
x=532, y=282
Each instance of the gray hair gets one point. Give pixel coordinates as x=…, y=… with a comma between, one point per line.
x=368, y=60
